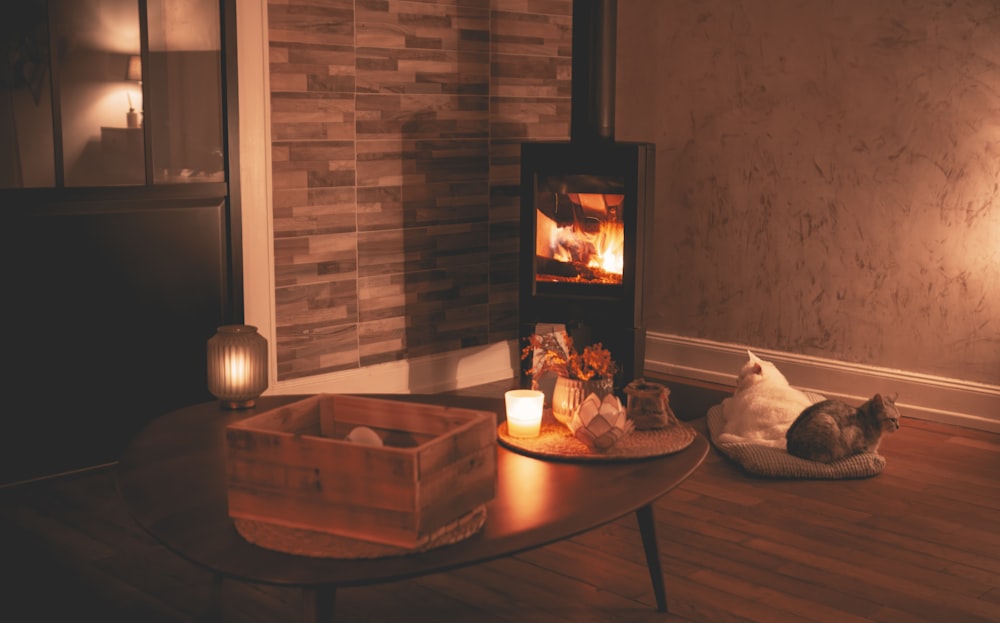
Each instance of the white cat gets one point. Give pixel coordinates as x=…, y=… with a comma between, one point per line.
x=762, y=407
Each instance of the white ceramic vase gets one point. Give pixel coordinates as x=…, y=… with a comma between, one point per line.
x=569, y=393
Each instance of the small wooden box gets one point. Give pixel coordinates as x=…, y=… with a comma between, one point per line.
x=292, y=467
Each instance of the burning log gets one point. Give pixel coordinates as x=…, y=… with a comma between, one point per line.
x=555, y=270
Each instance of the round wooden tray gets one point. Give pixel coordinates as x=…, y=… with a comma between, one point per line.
x=555, y=441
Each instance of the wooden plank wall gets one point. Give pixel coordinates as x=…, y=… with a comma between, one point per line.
x=396, y=128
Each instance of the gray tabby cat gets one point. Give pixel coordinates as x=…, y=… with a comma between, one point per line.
x=831, y=430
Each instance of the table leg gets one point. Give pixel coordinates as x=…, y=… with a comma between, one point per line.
x=647, y=528
x=214, y=614
x=318, y=603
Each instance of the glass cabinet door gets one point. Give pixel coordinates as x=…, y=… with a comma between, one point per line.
x=184, y=109
x=92, y=44
x=110, y=93
x=27, y=158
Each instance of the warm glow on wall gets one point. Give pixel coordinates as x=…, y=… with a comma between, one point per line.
x=109, y=25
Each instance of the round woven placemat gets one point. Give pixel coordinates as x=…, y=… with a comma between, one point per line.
x=555, y=441
x=304, y=542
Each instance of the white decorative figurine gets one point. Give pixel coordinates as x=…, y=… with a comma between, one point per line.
x=600, y=423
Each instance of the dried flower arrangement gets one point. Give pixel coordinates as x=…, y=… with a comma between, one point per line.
x=555, y=352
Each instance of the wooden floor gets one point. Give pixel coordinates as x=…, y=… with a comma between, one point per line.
x=918, y=543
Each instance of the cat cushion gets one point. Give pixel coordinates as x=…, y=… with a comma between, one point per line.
x=764, y=460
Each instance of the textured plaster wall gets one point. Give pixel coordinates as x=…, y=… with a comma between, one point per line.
x=828, y=175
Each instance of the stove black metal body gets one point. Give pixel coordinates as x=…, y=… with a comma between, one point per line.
x=586, y=211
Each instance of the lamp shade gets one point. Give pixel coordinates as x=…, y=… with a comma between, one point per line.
x=237, y=365
x=134, y=70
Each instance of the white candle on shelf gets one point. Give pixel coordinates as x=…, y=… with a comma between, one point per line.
x=524, y=412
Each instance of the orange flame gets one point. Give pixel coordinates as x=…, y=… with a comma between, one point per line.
x=595, y=239
x=610, y=243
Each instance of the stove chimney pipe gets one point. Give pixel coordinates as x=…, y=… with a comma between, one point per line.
x=595, y=25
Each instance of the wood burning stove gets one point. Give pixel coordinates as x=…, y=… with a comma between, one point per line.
x=586, y=211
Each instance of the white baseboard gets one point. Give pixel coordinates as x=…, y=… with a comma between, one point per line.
x=423, y=375
x=922, y=396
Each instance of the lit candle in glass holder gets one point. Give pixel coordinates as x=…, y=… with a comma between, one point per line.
x=237, y=365
x=524, y=412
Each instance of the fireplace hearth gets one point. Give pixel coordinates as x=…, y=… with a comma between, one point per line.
x=586, y=212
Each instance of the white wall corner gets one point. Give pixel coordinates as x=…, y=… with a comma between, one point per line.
x=255, y=173
x=922, y=396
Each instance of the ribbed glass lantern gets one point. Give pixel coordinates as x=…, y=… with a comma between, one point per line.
x=237, y=365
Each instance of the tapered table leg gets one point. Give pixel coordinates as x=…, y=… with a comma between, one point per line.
x=214, y=614
x=647, y=528
x=318, y=603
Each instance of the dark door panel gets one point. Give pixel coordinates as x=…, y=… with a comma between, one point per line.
x=108, y=305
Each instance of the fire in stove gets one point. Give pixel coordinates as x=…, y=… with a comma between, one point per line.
x=579, y=236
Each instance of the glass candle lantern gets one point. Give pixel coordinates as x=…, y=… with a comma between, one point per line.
x=237, y=365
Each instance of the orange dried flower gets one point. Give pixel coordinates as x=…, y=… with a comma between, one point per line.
x=554, y=352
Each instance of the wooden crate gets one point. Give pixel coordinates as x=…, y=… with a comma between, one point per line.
x=292, y=467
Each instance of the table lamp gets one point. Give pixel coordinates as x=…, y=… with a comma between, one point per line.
x=237, y=365
x=133, y=72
